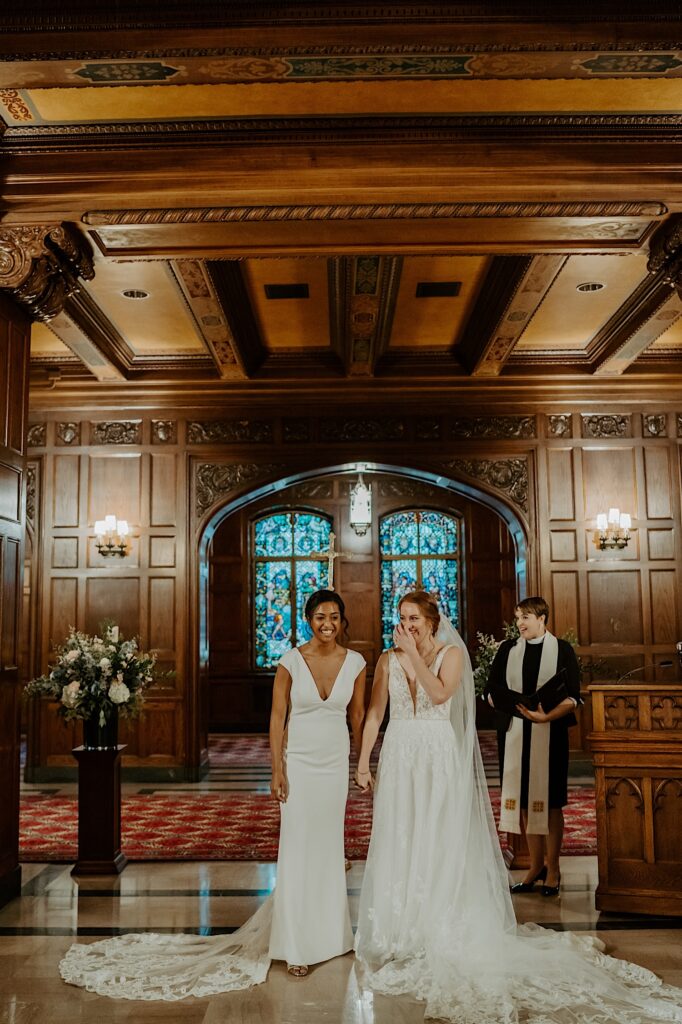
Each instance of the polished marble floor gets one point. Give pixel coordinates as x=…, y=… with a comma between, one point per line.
x=55, y=910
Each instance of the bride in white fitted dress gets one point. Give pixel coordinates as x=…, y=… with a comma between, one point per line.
x=305, y=920
x=435, y=919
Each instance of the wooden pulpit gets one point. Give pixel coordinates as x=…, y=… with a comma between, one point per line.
x=637, y=749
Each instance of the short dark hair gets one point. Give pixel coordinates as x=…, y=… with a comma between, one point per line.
x=321, y=597
x=535, y=605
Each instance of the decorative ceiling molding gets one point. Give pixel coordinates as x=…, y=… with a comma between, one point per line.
x=531, y=292
x=40, y=266
x=40, y=16
x=375, y=211
x=488, y=337
x=227, y=283
x=202, y=301
x=643, y=317
x=363, y=291
x=371, y=130
x=84, y=312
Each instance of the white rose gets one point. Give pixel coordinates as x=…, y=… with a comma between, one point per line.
x=72, y=656
x=105, y=665
x=118, y=693
x=70, y=694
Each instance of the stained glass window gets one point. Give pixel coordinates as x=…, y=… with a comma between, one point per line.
x=286, y=573
x=419, y=551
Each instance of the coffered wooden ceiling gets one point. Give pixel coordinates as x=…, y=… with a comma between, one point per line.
x=299, y=193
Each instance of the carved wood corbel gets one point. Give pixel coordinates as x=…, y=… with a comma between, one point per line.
x=665, y=252
x=40, y=265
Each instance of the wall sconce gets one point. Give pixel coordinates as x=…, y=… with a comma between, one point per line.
x=614, y=529
x=360, y=505
x=111, y=536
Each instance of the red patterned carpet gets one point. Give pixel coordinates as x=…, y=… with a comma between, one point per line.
x=167, y=825
x=220, y=826
x=253, y=750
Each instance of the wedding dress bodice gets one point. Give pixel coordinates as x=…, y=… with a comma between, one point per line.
x=402, y=705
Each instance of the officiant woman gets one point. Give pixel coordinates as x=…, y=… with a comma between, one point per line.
x=534, y=749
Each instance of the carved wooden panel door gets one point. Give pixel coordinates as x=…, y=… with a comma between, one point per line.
x=14, y=352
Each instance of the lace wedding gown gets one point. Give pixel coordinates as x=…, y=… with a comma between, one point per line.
x=306, y=918
x=435, y=917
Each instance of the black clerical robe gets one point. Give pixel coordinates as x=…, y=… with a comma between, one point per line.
x=558, y=735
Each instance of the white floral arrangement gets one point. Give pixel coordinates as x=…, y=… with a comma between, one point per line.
x=94, y=676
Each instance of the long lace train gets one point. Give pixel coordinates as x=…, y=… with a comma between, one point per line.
x=152, y=966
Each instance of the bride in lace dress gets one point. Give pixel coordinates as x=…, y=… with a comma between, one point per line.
x=306, y=918
x=435, y=918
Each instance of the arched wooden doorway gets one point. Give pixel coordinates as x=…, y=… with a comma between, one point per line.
x=235, y=693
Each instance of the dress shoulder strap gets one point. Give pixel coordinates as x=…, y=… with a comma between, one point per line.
x=439, y=657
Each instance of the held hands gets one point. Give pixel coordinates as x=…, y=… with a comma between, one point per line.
x=279, y=786
x=363, y=780
x=538, y=716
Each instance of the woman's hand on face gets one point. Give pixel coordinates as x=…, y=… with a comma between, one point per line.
x=404, y=641
x=538, y=716
x=364, y=780
x=279, y=786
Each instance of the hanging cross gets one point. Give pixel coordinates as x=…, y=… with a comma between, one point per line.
x=330, y=555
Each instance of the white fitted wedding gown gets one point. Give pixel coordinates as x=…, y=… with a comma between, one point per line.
x=305, y=920
x=435, y=917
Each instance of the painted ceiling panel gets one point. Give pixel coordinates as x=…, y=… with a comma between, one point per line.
x=45, y=344
x=671, y=337
x=568, y=319
x=290, y=323
x=435, y=322
x=158, y=325
x=173, y=102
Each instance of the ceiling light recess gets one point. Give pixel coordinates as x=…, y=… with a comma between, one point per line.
x=589, y=286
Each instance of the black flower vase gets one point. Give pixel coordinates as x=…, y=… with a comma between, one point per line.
x=100, y=737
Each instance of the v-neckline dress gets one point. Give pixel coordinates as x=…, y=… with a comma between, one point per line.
x=311, y=922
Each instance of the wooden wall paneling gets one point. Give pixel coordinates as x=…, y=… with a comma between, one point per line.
x=64, y=609
x=162, y=616
x=65, y=552
x=563, y=546
x=65, y=486
x=14, y=356
x=615, y=601
x=664, y=613
x=661, y=544
x=114, y=486
x=163, y=490
x=559, y=487
x=657, y=482
x=609, y=478
x=112, y=597
x=565, y=602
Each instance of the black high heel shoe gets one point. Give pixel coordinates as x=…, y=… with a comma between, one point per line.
x=551, y=890
x=530, y=886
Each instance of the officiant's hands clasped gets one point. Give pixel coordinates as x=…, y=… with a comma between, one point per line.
x=538, y=716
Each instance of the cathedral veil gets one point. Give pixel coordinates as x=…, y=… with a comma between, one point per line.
x=477, y=825
x=468, y=960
